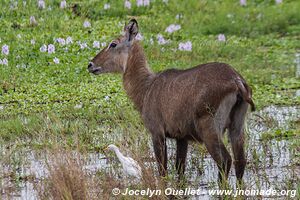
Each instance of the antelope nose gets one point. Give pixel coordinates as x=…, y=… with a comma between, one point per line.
x=90, y=65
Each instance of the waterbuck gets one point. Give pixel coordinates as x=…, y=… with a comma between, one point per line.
x=196, y=104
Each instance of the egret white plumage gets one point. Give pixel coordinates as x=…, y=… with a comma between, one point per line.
x=130, y=166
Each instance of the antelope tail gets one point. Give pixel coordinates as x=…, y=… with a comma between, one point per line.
x=246, y=92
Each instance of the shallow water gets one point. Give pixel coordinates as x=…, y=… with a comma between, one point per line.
x=273, y=168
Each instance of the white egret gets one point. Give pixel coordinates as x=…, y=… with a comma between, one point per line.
x=130, y=166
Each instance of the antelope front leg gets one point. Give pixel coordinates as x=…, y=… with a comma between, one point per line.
x=160, y=151
x=182, y=147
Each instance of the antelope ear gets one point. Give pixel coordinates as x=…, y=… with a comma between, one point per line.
x=131, y=30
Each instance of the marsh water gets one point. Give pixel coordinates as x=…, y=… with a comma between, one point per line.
x=271, y=162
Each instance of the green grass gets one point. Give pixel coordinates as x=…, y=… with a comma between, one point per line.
x=44, y=86
x=44, y=104
x=262, y=49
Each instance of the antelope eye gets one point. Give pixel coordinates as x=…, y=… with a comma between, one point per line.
x=113, y=45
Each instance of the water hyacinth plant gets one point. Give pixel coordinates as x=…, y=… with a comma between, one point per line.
x=82, y=45
x=51, y=48
x=5, y=49
x=161, y=40
x=86, y=24
x=63, y=4
x=243, y=2
x=103, y=44
x=56, y=60
x=139, y=36
x=142, y=3
x=221, y=38
x=139, y=3
x=185, y=46
x=33, y=21
x=69, y=40
x=172, y=28
x=41, y=4
x=4, y=61
x=96, y=44
x=61, y=41
x=127, y=4
x=106, y=6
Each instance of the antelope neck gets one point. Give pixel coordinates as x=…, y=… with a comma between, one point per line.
x=137, y=77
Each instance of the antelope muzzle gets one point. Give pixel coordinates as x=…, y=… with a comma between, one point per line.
x=93, y=69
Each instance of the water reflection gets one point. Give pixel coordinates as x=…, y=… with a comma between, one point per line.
x=269, y=162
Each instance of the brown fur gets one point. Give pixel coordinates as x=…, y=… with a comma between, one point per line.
x=137, y=86
x=196, y=104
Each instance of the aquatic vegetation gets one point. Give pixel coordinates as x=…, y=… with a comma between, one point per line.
x=48, y=99
x=185, y=46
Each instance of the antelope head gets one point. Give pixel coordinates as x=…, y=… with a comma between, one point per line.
x=113, y=58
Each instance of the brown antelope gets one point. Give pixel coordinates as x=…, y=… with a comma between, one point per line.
x=196, y=104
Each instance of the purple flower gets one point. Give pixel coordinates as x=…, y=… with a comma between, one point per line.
x=5, y=61
x=69, y=40
x=82, y=45
x=96, y=44
x=146, y=2
x=61, y=41
x=43, y=48
x=172, y=28
x=106, y=6
x=56, y=60
x=243, y=2
x=139, y=36
x=106, y=98
x=161, y=40
x=5, y=49
x=139, y=3
x=63, y=4
x=278, y=1
x=185, y=46
x=103, y=44
x=221, y=38
x=51, y=48
x=32, y=42
x=32, y=20
x=127, y=4
x=142, y=3
x=41, y=4
x=86, y=24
